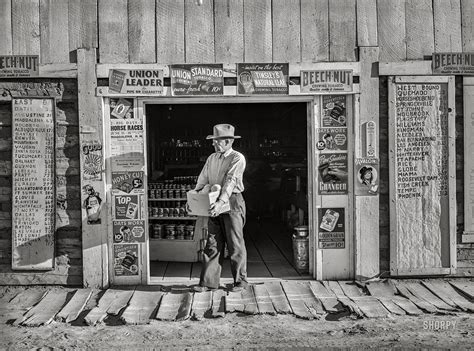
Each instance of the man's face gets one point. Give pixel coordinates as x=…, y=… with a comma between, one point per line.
x=221, y=145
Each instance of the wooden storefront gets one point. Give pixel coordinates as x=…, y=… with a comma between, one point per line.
x=381, y=41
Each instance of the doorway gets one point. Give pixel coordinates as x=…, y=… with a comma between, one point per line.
x=275, y=144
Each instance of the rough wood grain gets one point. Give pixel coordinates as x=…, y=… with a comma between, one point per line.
x=142, y=306
x=75, y=306
x=175, y=307
x=258, y=31
x=45, y=311
x=279, y=299
x=61, y=275
x=367, y=23
x=342, y=30
x=419, y=29
x=369, y=305
x=6, y=46
x=343, y=299
x=218, y=304
x=113, y=31
x=327, y=298
x=82, y=24
x=448, y=294
x=420, y=303
x=467, y=14
x=170, y=31
x=229, y=30
x=113, y=300
x=314, y=30
x=141, y=33
x=302, y=300
x=25, y=27
x=286, y=30
x=120, y=302
x=264, y=301
x=202, y=304
x=391, y=30
x=447, y=25
x=54, y=31
x=423, y=293
x=199, y=32
x=466, y=287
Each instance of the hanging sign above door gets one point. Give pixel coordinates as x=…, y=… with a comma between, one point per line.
x=136, y=81
x=331, y=81
x=205, y=79
x=262, y=78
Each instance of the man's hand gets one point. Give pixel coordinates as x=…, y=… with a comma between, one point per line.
x=216, y=208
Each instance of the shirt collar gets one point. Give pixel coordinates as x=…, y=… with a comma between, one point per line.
x=227, y=153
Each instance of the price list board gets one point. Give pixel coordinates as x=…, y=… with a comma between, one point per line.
x=420, y=170
x=33, y=184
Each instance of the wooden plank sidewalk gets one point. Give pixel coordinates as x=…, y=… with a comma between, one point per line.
x=304, y=299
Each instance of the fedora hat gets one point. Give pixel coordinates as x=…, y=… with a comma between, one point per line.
x=223, y=131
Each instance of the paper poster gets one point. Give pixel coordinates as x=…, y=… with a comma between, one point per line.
x=93, y=161
x=262, y=78
x=332, y=173
x=126, y=259
x=33, y=199
x=92, y=203
x=197, y=79
x=331, y=139
x=331, y=228
x=366, y=176
x=334, y=111
x=126, y=130
x=326, y=81
x=128, y=182
x=128, y=231
x=127, y=206
x=136, y=81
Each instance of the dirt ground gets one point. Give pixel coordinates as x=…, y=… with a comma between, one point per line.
x=239, y=331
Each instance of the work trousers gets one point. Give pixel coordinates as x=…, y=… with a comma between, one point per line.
x=226, y=228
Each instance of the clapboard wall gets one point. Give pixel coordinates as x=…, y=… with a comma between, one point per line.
x=177, y=31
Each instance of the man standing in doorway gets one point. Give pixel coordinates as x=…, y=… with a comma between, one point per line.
x=225, y=167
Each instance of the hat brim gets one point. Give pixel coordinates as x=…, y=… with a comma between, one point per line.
x=223, y=137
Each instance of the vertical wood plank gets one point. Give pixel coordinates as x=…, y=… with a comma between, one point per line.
x=342, y=30
x=467, y=13
x=258, y=31
x=367, y=23
x=6, y=47
x=447, y=25
x=391, y=30
x=94, y=236
x=419, y=27
x=199, y=31
x=54, y=31
x=113, y=31
x=229, y=17
x=314, y=30
x=141, y=31
x=25, y=27
x=82, y=24
x=367, y=207
x=170, y=31
x=286, y=31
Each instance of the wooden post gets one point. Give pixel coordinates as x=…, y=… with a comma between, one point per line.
x=94, y=214
x=367, y=207
x=468, y=89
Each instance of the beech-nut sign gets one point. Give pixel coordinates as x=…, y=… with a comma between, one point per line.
x=331, y=81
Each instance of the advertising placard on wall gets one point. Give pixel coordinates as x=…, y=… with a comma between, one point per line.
x=14, y=66
x=366, y=176
x=128, y=182
x=136, y=81
x=331, y=139
x=453, y=63
x=197, y=79
x=33, y=199
x=334, y=111
x=331, y=228
x=332, y=173
x=331, y=81
x=262, y=78
x=127, y=207
x=126, y=231
x=126, y=259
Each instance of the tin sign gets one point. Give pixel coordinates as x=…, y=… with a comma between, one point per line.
x=126, y=259
x=136, y=81
x=331, y=228
x=366, y=176
x=13, y=66
x=205, y=79
x=333, y=81
x=262, y=78
x=453, y=63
